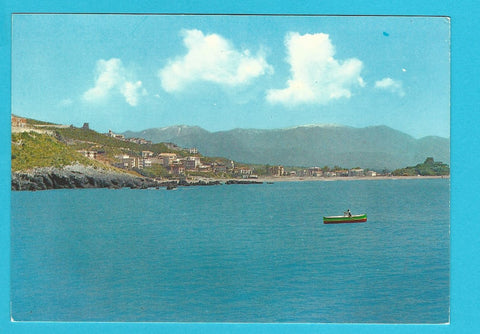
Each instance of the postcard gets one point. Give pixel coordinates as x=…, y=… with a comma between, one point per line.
x=230, y=169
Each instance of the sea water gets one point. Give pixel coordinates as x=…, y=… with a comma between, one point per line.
x=233, y=253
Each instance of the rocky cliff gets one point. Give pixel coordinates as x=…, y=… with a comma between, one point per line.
x=76, y=176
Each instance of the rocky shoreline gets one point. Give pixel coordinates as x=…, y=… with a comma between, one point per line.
x=79, y=177
x=76, y=176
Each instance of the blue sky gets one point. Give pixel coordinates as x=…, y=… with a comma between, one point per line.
x=132, y=72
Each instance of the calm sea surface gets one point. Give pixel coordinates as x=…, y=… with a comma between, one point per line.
x=236, y=253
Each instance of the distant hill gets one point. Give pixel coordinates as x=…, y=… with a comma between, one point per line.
x=428, y=168
x=376, y=147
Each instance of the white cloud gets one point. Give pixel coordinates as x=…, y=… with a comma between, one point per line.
x=131, y=92
x=211, y=58
x=390, y=85
x=111, y=75
x=317, y=77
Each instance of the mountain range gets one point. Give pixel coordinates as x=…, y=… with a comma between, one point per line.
x=374, y=147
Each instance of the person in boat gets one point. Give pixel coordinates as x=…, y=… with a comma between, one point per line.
x=348, y=213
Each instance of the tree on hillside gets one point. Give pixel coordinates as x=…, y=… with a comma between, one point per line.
x=428, y=168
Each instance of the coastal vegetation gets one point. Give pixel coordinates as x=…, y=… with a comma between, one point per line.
x=86, y=139
x=33, y=150
x=429, y=167
x=40, y=144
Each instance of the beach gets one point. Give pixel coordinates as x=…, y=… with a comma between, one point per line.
x=267, y=179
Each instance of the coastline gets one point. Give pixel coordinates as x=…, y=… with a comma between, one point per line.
x=78, y=176
x=275, y=179
x=344, y=178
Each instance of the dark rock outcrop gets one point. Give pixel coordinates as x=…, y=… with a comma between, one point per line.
x=243, y=182
x=198, y=183
x=77, y=176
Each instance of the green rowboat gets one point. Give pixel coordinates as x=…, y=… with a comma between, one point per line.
x=345, y=219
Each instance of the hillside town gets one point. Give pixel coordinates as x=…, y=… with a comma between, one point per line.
x=174, y=162
x=177, y=165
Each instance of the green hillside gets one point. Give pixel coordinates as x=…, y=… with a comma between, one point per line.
x=31, y=149
x=85, y=139
x=50, y=145
x=428, y=168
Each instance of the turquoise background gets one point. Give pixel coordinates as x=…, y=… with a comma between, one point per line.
x=465, y=228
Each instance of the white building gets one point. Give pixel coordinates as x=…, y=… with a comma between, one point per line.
x=356, y=172
x=88, y=154
x=147, y=154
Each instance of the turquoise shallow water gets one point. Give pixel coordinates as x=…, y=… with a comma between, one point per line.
x=237, y=253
